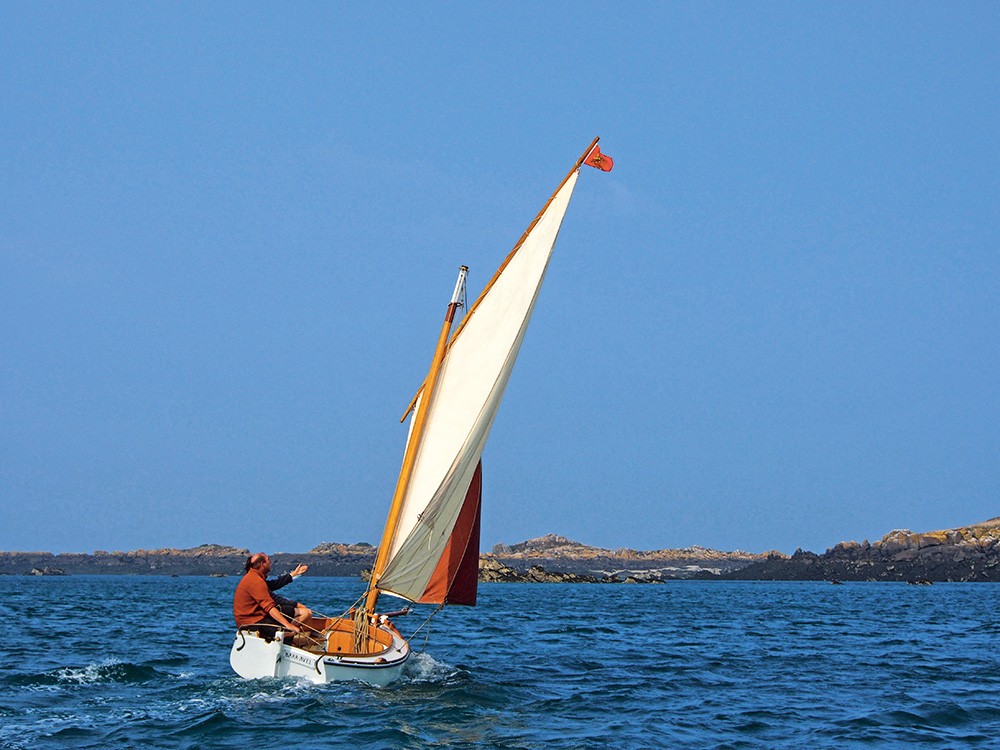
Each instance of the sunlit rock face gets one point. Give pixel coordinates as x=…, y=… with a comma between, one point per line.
x=965, y=553
x=554, y=553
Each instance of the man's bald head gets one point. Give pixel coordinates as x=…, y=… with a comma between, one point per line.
x=256, y=561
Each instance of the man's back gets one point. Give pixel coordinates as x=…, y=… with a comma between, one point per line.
x=252, y=599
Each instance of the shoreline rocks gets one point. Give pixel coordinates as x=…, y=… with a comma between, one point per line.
x=492, y=570
x=553, y=552
x=45, y=571
x=214, y=560
x=967, y=553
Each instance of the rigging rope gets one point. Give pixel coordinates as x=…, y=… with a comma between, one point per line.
x=360, y=629
x=360, y=619
x=317, y=635
x=427, y=623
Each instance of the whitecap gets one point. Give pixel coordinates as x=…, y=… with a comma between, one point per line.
x=423, y=667
x=89, y=674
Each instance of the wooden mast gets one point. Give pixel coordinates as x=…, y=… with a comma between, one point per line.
x=409, y=457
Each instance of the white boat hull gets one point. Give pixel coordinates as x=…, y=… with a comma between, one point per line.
x=252, y=657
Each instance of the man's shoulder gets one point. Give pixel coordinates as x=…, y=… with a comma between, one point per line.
x=247, y=580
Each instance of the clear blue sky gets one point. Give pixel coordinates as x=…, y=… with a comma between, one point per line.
x=228, y=234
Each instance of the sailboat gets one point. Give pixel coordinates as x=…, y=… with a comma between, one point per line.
x=429, y=552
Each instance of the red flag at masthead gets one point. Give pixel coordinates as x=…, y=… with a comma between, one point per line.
x=601, y=161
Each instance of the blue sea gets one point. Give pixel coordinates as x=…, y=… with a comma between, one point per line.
x=123, y=662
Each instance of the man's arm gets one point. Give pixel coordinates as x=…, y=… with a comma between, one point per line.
x=286, y=578
x=277, y=583
x=275, y=613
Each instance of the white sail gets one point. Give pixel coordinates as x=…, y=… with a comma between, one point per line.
x=470, y=386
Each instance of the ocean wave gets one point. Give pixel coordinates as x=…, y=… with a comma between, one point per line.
x=110, y=670
x=423, y=667
x=212, y=722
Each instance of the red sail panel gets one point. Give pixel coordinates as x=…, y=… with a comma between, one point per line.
x=466, y=581
x=456, y=576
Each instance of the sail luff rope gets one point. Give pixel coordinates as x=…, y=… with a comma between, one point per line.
x=520, y=242
x=506, y=262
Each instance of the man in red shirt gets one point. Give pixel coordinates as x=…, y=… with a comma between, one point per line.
x=253, y=603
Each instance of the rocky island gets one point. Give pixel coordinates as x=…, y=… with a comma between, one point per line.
x=547, y=558
x=966, y=553
x=329, y=559
x=556, y=553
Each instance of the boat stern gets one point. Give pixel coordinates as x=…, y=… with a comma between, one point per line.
x=253, y=657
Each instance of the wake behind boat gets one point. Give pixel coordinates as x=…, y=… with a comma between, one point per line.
x=429, y=552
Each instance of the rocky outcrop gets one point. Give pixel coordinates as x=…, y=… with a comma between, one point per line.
x=337, y=548
x=966, y=553
x=492, y=570
x=551, y=557
x=46, y=571
x=208, y=559
x=553, y=552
